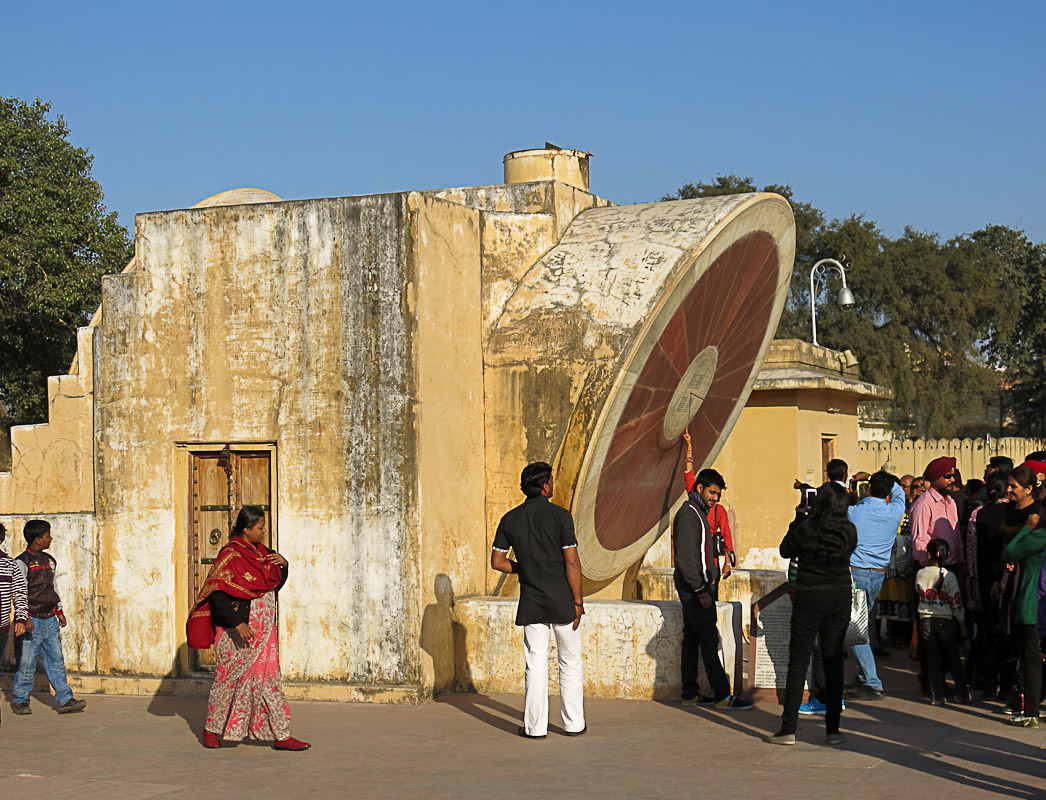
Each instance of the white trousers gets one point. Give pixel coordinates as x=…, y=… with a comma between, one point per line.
x=571, y=679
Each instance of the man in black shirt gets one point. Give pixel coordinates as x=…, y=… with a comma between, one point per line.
x=542, y=536
x=697, y=583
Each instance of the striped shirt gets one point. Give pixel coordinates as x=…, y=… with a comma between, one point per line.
x=12, y=589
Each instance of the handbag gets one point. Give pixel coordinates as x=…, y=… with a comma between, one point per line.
x=857, y=631
x=900, y=556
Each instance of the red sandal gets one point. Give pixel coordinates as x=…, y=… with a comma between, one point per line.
x=210, y=740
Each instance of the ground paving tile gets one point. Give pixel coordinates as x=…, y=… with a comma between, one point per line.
x=465, y=746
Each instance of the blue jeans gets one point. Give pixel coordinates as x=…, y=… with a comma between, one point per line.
x=871, y=581
x=42, y=641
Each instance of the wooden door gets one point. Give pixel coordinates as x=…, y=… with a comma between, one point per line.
x=221, y=482
x=827, y=454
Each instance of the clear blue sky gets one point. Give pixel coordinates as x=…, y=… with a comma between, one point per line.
x=928, y=114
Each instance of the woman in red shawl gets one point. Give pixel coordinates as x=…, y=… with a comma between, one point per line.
x=236, y=610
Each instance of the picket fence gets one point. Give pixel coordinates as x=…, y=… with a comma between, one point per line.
x=910, y=456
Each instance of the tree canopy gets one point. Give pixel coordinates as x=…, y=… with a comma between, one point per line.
x=56, y=241
x=945, y=324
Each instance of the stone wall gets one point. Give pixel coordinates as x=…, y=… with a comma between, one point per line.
x=911, y=456
x=284, y=323
x=76, y=549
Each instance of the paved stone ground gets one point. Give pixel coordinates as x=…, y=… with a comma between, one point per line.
x=464, y=746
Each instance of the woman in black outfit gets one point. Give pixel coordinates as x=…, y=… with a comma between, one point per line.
x=821, y=605
x=988, y=652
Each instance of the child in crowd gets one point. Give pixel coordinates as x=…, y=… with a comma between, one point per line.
x=942, y=623
x=46, y=617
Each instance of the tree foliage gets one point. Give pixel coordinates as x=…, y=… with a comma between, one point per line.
x=933, y=319
x=1019, y=340
x=56, y=241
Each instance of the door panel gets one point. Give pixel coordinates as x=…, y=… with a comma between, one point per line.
x=222, y=482
x=253, y=484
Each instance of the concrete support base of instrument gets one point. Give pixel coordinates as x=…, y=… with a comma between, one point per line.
x=631, y=648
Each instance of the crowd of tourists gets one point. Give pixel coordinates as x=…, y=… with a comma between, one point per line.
x=954, y=571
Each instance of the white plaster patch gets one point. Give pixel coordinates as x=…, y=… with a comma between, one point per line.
x=763, y=558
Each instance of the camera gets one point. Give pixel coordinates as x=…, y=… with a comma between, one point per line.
x=807, y=496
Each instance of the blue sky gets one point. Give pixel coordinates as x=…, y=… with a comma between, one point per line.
x=927, y=114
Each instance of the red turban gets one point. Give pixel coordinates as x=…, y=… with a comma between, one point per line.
x=1038, y=467
x=938, y=468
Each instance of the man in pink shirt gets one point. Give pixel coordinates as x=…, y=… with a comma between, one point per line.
x=935, y=516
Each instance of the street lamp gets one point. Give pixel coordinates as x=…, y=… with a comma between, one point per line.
x=846, y=297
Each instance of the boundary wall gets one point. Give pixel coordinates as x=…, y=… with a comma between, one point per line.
x=971, y=455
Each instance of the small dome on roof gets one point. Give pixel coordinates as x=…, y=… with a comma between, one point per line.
x=238, y=197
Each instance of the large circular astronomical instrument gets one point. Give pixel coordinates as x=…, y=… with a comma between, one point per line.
x=660, y=316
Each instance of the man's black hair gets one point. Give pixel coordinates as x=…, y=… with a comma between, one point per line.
x=34, y=529
x=881, y=484
x=709, y=477
x=534, y=477
x=836, y=469
x=1038, y=455
x=1005, y=463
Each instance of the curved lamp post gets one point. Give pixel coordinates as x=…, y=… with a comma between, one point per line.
x=846, y=297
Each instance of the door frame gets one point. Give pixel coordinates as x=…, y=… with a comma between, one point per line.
x=181, y=491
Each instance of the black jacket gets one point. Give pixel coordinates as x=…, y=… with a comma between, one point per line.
x=815, y=574
x=228, y=611
x=697, y=569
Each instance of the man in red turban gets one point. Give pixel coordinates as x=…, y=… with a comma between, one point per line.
x=935, y=516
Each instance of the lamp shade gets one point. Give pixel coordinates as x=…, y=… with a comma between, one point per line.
x=846, y=298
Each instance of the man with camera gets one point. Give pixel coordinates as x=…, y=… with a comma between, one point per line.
x=877, y=518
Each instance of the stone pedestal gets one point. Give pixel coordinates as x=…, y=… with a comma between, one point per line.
x=631, y=648
x=743, y=586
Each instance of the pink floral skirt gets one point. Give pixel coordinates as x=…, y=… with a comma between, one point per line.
x=247, y=694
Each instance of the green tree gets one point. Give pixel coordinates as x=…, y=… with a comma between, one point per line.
x=1019, y=339
x=56, y=241
x=923, y=310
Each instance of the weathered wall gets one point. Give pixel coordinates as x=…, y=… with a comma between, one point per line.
x=449, y=420
x=518, y=224
x=282, y=323
x=76, y=549
x=51, y=464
